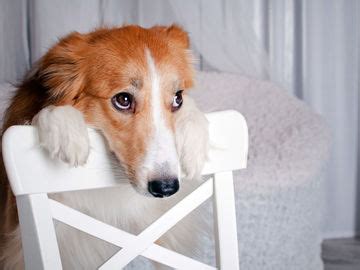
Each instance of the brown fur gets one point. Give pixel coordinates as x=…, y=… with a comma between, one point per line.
x=85, y=71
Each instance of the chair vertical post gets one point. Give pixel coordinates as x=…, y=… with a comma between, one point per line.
x=225, y=222
x=37, y=233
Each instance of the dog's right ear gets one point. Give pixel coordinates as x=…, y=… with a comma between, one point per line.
x=175, y=34
x=61, y=70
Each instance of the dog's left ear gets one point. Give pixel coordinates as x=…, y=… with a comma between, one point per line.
x=175, y=34
x=61, y=69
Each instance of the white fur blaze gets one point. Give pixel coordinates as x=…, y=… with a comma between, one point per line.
x=63, y=133
x=162, y=149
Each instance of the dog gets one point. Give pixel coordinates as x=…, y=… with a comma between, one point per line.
x=131, y=84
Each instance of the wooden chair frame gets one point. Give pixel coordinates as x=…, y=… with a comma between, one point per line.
x=33, y=175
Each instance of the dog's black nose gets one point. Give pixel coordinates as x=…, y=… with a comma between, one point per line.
x=163, y=188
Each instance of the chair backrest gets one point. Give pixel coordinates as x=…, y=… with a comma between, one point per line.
x=32, y=175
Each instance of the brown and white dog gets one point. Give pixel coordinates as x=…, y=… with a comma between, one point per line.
x=131, y=84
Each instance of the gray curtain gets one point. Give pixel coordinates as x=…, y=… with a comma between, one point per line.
x=14, y=48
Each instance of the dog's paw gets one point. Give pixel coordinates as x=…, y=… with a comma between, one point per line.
x=192, y=139
x=63, y=133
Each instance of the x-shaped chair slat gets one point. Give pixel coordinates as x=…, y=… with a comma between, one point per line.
x=159, y=227
x=143, y=244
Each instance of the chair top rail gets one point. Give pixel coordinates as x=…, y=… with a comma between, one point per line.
x=30, y=170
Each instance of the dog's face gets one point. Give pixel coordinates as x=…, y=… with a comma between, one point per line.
x=129, y=83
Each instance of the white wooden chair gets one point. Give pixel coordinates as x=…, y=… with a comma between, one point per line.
x=33, y=175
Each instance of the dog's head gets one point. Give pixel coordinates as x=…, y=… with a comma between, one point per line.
x=129, y=83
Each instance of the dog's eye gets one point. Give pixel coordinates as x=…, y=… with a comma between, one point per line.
x=122, y=101
x=177, y=101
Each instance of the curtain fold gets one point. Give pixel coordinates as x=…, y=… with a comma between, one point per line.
x=224, y=27
x=49, y=20
x=331, y=87
x=14, y=49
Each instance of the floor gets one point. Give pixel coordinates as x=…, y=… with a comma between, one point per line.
x=341, y=254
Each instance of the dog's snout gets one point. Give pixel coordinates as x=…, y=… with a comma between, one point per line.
x=163, y=188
